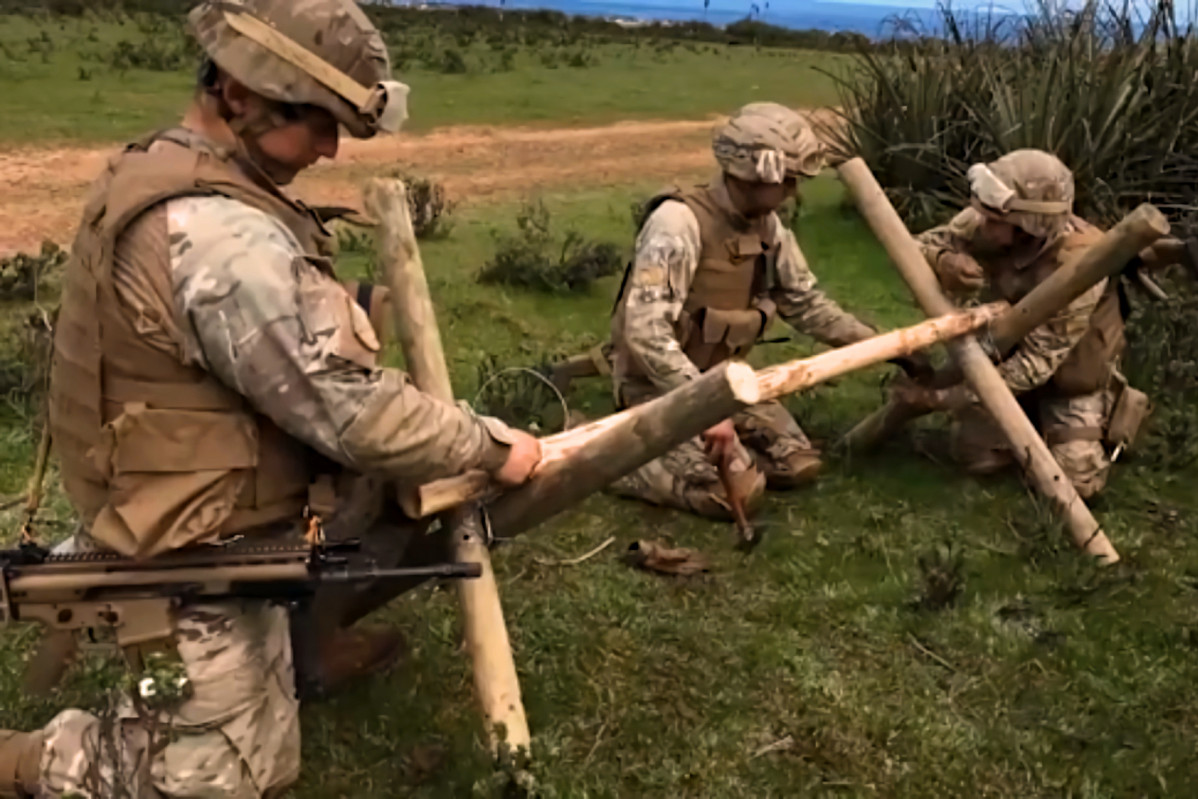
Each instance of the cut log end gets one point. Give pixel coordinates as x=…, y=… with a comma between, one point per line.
x=1148, y=217
x=743, y=382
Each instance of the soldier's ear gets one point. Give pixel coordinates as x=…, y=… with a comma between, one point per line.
x=236, y=95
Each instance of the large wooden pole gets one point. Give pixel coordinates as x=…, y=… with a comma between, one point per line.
x=1029, y=449
x=484, y=629
x=1108, y=256
x=581, y=461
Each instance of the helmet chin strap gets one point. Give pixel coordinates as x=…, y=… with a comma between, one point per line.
x=247, y=130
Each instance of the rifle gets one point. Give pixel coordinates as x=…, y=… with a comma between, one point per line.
x=133, y=600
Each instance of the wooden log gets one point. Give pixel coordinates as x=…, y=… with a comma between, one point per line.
x=1108, y=256
x=672, y=423
x=495, y=680
x=1029, y=448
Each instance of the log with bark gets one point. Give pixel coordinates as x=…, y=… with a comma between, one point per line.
x=1027, y=446
x=581, y=461
x=1107, y=257
x=484, y=629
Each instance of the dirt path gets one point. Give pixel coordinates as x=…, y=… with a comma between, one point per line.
x=42, y=191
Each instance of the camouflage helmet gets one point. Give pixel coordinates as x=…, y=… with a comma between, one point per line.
x=1031, y=189
x=767, y=143
x=324, y=53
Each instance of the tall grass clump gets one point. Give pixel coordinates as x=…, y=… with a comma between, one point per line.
x=1108, y=88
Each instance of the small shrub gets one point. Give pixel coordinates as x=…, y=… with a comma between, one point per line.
x=21, y=274
x=521, y=397
x=453, y=63
x=429, y=207
x=536, y=259
x=25, y=357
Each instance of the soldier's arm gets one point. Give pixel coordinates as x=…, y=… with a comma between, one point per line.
x=274, y=327
x=803, y=305
x=1042, y=351
x=667, y=255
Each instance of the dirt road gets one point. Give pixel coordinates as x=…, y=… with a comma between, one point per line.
x=42, y=190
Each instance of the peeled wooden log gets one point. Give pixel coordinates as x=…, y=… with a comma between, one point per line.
x=1028, y=447
x=663, y=423
x=484, y=629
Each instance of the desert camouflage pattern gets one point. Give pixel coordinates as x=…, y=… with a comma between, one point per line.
x=772, y=452
x=767, y=143
x=1028, y=175
x=981, y=447
x=663, y=268
x=274, y=325
x=338, y=31
x=1043, y=350
x=237, y=735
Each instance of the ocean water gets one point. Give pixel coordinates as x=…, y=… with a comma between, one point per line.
x=873, y=20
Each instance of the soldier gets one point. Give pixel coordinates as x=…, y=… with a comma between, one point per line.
x=714, y=266
x=211, y=379
x=1018, y=229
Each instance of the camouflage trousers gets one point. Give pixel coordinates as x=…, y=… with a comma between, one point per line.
x=237, y=735
x=772, y=450
x=1072, y=426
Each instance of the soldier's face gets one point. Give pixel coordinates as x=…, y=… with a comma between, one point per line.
x=297, y=137
x=998, y=232
x=758, y=199
x=307, y=135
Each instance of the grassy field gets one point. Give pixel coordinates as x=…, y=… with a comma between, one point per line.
x=70, y=80
x=813, y=666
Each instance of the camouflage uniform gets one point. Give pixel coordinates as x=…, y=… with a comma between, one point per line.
x=224, y=293
x=767, y=143
x=1072, y=416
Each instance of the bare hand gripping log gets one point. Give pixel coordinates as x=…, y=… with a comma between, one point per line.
x=581, y=461
x=1029, y=449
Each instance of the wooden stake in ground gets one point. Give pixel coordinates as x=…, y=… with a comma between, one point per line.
x=581, y=461
x=485, y=631
x=1029, y=449
x=1107, y=257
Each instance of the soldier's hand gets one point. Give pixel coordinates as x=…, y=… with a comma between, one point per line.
x=959, y=273
x=523, y=457
x=917, y=366
x=719, y=438
x=914, y=395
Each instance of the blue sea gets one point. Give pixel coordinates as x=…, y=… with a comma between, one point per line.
x=873, y=20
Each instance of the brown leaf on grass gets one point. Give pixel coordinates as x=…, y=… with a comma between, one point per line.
x=656, y=557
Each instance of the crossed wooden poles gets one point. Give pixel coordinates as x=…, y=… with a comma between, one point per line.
x=583, y=460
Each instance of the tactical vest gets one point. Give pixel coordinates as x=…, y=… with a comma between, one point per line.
x=155, y=454
x=726, y=309
x=1090, y=363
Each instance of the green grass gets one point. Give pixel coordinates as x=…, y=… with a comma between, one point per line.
x=66, y=91
x=1047, y=677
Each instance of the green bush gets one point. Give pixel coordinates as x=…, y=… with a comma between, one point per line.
x=1117, y=102
x=1162, y=359
x=536, y=258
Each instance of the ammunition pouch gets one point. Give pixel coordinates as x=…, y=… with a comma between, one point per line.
x=1131, y=408
x=714, y=334
x=1090, y=364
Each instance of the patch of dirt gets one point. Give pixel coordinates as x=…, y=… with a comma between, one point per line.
x=42, y=190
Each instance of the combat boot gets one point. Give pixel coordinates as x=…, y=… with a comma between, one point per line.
x=20, y=763
x=350, y=654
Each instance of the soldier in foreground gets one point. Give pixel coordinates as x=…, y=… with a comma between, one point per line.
x=1018, y=229
x=714, y=266
x=212, y=379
